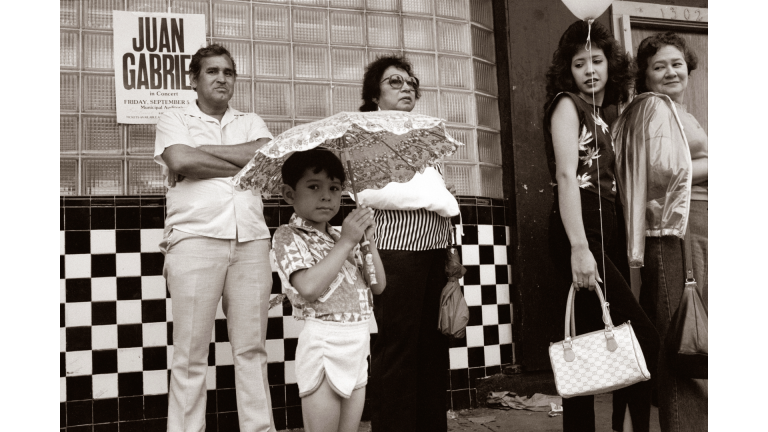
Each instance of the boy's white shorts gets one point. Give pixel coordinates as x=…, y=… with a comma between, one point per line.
x=335, y=350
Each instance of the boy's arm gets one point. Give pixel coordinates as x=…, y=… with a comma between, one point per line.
x=312, y=282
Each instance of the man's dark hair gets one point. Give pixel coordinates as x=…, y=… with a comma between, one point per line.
x=212, y=50
x=650, y=46
x=317, y=160
x=374, y=74
x=560, y=77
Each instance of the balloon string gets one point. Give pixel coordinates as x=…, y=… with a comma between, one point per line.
x=597, y=149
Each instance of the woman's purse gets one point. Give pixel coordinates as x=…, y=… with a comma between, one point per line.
x=596, y=362
x=687, y=337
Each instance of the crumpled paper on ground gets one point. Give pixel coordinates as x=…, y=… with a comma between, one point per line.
x=538, y=402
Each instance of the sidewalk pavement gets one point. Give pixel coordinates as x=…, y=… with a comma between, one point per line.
x=488, y=419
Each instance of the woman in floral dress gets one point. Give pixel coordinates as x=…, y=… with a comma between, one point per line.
x=583, y=222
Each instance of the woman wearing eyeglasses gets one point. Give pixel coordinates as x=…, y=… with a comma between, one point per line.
x=409, y=359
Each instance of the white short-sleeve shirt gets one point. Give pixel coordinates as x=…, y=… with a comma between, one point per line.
x=211, y=207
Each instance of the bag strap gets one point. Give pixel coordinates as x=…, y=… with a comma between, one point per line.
x=687, y=253
x=570, y=312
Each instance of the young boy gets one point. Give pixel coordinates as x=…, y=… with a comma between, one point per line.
x=321, y=274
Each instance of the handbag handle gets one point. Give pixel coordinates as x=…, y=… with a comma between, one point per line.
x=570, y=323
x=687, y=252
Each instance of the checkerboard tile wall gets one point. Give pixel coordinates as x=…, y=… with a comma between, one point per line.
x=116, y=326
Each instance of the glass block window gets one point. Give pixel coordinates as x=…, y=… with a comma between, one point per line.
x=297, y=61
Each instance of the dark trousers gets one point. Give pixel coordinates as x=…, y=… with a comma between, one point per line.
x=409, y=360
x=578, y=412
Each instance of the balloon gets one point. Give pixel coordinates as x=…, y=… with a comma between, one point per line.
x=587, y=9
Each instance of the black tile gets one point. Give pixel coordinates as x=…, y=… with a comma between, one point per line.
x=104, y=361
x=225, y=376
x=285, y=214
x=156, y=425
x=102, y=218
x=486, y=254
x=211, y=423
x=79, y=388
x=483, y=202
x=271, y=216
x=62, y=365
x=229, y=422
x=277, y=286
x=62, y=267
x=103, y=313
x=476, y=374
x=448, y=402
x=212, y=354
x=275, y=328
x=78, y=338
x=292, y=395
x=278, y=414
x=61, y=219
x=500, y=235
x=506, y=353
x=79, y=413
x=488, y=294
x=475, y=315
x=153, y=311
x=505, y=314
x=492, y=370
x=77, y=242
x=276, y=373
x=77, y=201
x=337, y=219
x=469, y=236
x=491, y=335
x=127, y=240
x=87, y=428
x=106, y=427
x=210, y=402
x=129, y=288
x=62, y=315
x=102, y=201
x=468, y=214
x=226, y=400
x=277, y=394
x=289, y=348
x=459, y=379
x=473, y=398
x=484, y=215
x=287, y=309
x=454, y=342
x=129, y=335
x=132, y=426
x=77, y=218
x=502, y=274
x=476, y=356
x=169, y=333
x=129, y=384
x=472, y=276
x=103, y=265
x=105, y=410
x=220, y=330
x=460, y=399
x=497, y=202
x=156, y=406
x=127, y=218
x=77, y=290
x=152, y=218
x=152, y=263
x=294, y=417
x=149, y=201
x=498, y=216
x=154, y=358
x=127, y=201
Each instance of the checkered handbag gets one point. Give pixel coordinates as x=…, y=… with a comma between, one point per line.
x=596, y=362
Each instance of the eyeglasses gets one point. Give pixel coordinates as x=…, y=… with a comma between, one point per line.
x=396, y=81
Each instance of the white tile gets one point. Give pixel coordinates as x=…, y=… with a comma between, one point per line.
x=459, y=234
x=168, y=310
x=63, y=291
x=500, y=255
x=275, y=350
x=154, y=334
x=62, y=340
x=105, y=386
x=276, y=311
x=128, y=264
x=223, y=354
x=292, y=327
x=475, y=336
x=79, y=363
x=104, y=289
x=210, y=378
x=62, y=389
x=155, y=382
x=77, y=266
x=129, y=312
x=152, y=287
x=290, y=372
x=169, y=353
x=220, y=310
x=490, y=314
x=129, y=360
x=502, y=294
x=104, y=337
x=213, y=333
x=473, y=295
x=506, y=232
x=150, y=239
x=485, y=234
x=488, y=274
x=458, y=358
x=505, y=333
x=492, y=355
x=470, y=255
x=77, y=314
x=61, y=243
x=103, y=241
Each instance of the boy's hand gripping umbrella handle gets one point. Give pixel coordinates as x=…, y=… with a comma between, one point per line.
x=365, y=247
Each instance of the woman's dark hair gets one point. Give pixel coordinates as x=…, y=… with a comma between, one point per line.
x=212, y=50
x=650, y=46
x=317, y=160
x=560, y=78
x=373, y=76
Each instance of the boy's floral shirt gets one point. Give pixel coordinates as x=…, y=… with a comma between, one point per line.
x=298, y=246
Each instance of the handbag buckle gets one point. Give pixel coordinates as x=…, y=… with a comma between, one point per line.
x=610, y=341
x=568, y=353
